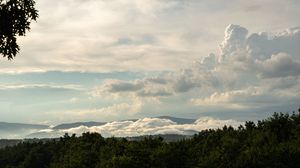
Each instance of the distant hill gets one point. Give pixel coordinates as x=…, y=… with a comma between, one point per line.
x=18, y=130
x=78, y=124
x=178, y=120
x=16, y=126
x=92, y=123
x=272, y=142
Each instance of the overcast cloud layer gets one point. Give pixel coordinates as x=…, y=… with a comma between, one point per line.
x=114, y=60
x=134, y=35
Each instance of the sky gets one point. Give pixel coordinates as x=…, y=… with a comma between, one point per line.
x=107, y=60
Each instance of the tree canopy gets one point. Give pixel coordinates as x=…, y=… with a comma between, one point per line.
x=15, y=19
x=274, y=142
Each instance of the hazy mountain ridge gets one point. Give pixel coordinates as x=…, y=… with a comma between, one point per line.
x=178, y=120
x=17, y=130
x=77, y=124
x=13, y=126
x=161, y=125
x=226, y=147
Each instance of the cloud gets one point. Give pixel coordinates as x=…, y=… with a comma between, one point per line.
x=146, y=126
x=255, y=70
x=156, y=37
x=242, y=75
x=40, y=86
x=209, y=61
x=185, y=81
x=94, y=36
x=282, y=83
x=115, y=110
x=155, y=93
x=129, y=35
x=264, y=44
x=248, y=98
x=280, y=65
x=121, y=86
x=260, y=45
x=147, y=87
x=234, y=39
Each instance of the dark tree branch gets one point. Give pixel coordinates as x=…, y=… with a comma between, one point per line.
x=15, y=19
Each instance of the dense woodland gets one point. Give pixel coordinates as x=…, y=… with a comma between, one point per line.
x=274, y=142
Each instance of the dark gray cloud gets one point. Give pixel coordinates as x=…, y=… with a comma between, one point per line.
x=121, y=86
x=280, y=65
x=147, y=87
x=185, y=81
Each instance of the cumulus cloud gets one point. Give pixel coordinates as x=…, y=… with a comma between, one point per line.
x=251, y=70
x=234, y=39
x=265, y=44
x=185, y=80
x=209, y=61
x=147, y=87
x=241, y=99
x=257, y=66
x=280, y=65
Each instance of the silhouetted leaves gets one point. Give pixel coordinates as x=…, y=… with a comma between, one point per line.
x=15, y=19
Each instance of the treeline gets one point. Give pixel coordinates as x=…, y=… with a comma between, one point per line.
x=9, y=142
x=274, y=142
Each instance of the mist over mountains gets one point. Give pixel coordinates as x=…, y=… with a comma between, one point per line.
x=18, y=130
x=127, y=128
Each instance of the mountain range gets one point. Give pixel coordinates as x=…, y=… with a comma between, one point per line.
x=17, y=130
x=21, y=130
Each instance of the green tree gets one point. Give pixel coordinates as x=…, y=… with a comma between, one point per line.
x=273, y=142
x=15, y=19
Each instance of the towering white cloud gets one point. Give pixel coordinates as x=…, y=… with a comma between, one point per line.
x=263, y=45
x=250, y=71
x=234, y=40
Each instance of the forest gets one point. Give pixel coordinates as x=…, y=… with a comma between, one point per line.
x=272, y=142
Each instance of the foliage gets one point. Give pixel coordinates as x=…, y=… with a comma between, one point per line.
x=274, y=142
x=15, y=19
